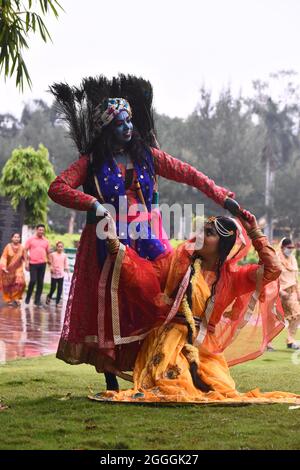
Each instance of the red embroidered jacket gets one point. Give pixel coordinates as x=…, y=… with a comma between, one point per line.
x=63, y=189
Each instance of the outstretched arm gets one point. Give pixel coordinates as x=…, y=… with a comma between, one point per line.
x=176, y=170
x=63, y=189
x=250, y=278
x=267, y=258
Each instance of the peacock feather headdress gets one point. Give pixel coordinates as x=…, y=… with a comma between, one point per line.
x=79, y=106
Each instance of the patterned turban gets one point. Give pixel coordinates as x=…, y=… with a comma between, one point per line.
x=110, y=108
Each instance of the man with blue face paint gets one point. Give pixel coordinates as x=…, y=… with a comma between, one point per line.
x=122, y=129
x=120, y=161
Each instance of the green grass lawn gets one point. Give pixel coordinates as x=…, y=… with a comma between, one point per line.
x=38, y=417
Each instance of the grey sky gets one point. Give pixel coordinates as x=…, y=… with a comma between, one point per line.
x=177, y=45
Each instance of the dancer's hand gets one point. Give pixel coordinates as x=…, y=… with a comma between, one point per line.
x=100, y=210
x=5, y=270
x=248, y=220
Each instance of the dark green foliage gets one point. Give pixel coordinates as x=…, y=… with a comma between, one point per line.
x=26, y=177
x=224, y=139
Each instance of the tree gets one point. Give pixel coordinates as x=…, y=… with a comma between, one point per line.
x=38, y=124
x=287, y=197
x=222, y=138
x=224, y=143
x=9, y=125
x=280, y=140
x=25, y=180
x=16, y=23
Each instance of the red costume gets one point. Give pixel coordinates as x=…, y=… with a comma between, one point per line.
x=81, y=335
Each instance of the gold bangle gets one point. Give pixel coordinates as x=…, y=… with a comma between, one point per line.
x=255, y=233
x=113, y=245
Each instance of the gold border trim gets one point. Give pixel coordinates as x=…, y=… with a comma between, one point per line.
x=118, y=339
x=180, y=293
x=101, y=294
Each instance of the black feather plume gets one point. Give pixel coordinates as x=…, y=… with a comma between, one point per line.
x=77, y=106
x=65, y=106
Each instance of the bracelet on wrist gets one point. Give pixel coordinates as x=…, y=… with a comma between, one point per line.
x=113, y=245
x=255, y=233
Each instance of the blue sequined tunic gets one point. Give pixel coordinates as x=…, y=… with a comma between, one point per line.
x=112, y=186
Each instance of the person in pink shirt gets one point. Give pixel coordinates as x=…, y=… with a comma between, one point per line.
x=59, y=264
x=37, y=250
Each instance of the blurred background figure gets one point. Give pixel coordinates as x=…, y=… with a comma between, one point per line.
x=12, y=280
x=37, y=250
x=59, y=265
x=290, y=289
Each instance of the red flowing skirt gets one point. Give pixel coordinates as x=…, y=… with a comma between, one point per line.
x=79, y=341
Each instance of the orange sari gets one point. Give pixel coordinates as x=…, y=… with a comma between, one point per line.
x=13, y=282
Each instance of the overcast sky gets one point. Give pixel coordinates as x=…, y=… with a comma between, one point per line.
x=177, y=45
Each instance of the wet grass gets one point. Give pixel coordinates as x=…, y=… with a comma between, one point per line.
x=49, y=409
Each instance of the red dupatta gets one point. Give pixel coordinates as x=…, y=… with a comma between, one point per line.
x=245, y=314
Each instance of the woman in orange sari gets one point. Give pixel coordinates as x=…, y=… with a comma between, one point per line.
x=197, y=312
x=12, y=280
x=289, y=289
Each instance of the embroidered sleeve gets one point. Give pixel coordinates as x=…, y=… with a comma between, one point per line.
x=63, y=189
x=268, y=258
x=244, y=279
x=176, y=170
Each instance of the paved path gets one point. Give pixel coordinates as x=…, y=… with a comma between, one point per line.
x=29, y=331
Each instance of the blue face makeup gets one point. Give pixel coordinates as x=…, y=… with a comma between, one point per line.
x=122, y=128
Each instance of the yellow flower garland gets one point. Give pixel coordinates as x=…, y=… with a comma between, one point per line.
x=185, y=309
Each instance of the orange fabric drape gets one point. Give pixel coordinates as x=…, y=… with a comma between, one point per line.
x=162, y=368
